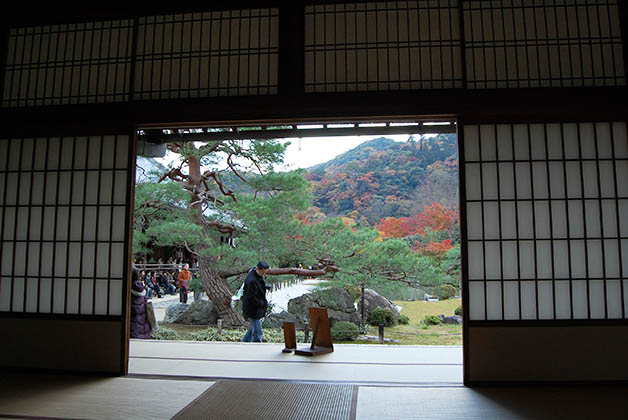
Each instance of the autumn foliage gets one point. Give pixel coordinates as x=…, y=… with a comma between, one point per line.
x=435, y=221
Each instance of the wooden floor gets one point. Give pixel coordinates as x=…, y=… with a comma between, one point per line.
x=361, y=364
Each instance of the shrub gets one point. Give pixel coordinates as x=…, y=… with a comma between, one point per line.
x=403, y=319
x=458, y=311
x=382, y=316
x=345, y=331
x=161, y=333
x=446, y=291
x=211, y=334
x=431, y=320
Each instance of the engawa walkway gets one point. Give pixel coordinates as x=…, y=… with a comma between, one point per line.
x=360, y=364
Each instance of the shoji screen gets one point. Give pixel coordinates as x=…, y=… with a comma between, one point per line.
x=68, y=64
x=223, y=53
x=546, y=221
x=543, y=43
x=382, y=46
x=64, y=208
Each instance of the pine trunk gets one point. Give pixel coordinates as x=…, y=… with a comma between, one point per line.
x=219, y=293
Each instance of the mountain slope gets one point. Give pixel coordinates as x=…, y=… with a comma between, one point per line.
x=382, y=178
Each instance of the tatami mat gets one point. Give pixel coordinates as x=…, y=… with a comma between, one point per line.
x=532, y=402
x=41, y=396
x=244, y=400
x=75, y=397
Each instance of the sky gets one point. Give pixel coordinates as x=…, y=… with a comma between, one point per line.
x=310, y=151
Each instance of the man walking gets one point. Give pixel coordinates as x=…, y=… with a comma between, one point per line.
x=254, y=303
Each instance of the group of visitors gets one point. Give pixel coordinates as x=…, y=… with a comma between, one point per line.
x=159, y=283
x=254, y=302
x=166, y=282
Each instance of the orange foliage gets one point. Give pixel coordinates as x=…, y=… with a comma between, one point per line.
x=434, y=217
x=437, y=218
x=436, y=249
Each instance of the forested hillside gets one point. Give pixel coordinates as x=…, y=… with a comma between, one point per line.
x=382, y=178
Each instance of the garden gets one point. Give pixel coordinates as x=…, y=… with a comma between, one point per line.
x=417, y=324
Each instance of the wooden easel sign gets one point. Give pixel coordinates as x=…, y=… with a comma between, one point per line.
x=321, y=334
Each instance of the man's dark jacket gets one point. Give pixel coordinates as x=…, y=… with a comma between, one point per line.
x=254, y=301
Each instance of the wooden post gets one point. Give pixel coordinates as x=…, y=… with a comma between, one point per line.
x=381, y=334
x=290, y=337
x=362, y=286
x=219, y=326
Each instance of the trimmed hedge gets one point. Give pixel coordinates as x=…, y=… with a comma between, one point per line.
x=382, y=316
x=211, y=334
x=345, y=331
x=161, y=333
x=431, y=320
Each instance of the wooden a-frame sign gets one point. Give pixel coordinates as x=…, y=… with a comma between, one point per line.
x=321, y=334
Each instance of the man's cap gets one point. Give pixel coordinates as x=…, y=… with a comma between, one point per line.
x=262, y=265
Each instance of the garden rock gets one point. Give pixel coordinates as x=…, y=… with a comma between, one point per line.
x=454, y=320
x=201, y=312
x=277, y=320
x=338, y=301
x=298, y=307
x=335, y=316
x=174, y=312
x=373, y=300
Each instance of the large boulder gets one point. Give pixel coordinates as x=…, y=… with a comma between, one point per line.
x=373, y=300
x=174, y=312
x=335, y=316
x=201, y=312
x=277, y=320
x=453, y=320
x=338, y=301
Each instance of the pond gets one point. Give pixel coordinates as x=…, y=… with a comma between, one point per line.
x=279, y=297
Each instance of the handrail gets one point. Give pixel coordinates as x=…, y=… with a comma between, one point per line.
x=163, y=266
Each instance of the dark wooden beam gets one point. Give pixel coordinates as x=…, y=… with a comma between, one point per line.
x=511, y=105
x=4, y=50
x=623, y=24
x=55, y=13
x=156, y=136
x=291, y=48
